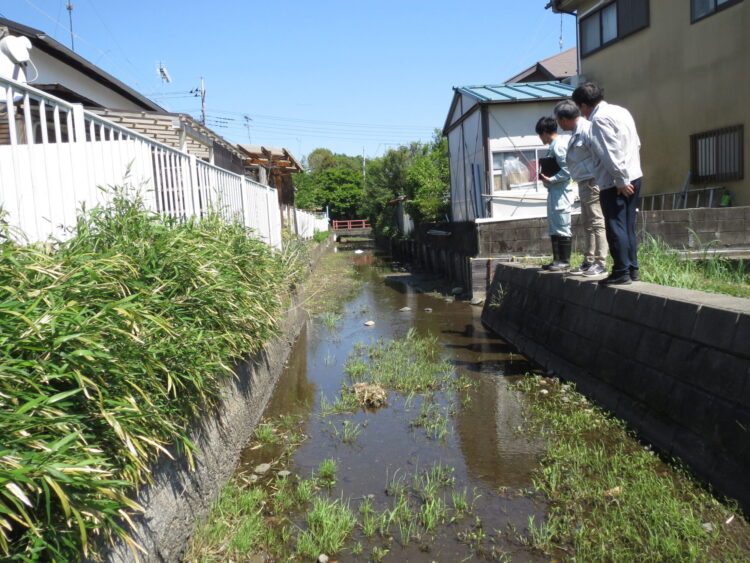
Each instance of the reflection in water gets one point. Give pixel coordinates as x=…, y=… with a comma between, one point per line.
x=483, y=447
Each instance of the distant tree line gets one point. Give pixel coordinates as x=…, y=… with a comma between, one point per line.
x=419, y=171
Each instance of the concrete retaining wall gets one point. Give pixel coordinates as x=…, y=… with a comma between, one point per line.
x=688, y=228
x=675, y=364
x=180, y=495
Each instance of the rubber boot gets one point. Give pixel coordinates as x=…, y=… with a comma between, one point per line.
x=564, y=245
x=555, y=252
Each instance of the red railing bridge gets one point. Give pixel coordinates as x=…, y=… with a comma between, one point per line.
x=351, y=228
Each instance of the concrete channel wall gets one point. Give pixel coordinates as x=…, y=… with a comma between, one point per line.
x=180, y=495
x=673, y=363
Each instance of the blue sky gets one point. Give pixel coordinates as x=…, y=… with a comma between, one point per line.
x=347, y=76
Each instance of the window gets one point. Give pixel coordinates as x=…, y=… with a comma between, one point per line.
x=717, y=156
x=699, y=9
x=612, y=22
x=515, y=169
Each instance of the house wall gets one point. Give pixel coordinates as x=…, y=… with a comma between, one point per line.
x=467, y=161
x=53, y=71
x=516, y=121
x=679, y=78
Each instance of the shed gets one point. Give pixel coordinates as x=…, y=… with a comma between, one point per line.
x=493, y=148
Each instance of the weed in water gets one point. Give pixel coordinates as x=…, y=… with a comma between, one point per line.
x=265, y=433
x=349, y=432
x=329, y=524
x=369, y=518
x=357, y=548
x=379, y=553
x=327, y=472
x=305, y=491
x=329, y=319
x=432, y=513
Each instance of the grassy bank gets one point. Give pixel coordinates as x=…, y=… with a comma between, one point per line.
x=701, y=270
x=111, y=343
x=611, y=499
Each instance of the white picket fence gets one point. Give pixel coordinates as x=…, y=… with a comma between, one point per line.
x=55, y=156
x=309, y=224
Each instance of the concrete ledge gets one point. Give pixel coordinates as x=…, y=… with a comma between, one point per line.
x=673, y=363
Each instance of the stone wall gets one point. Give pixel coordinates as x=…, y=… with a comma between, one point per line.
x=675, y=364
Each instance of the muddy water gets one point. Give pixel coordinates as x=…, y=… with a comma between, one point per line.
x=491, y=460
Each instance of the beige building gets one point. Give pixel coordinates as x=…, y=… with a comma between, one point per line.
x=682, y=67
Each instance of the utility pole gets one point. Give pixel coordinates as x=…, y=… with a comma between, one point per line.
x=248, y=119
x=203, y=102
x=69, y=6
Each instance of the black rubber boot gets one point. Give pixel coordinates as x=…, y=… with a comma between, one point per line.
x=564, y=245
x=555, y=252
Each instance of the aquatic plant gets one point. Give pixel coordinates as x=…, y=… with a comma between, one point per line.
x=329, y=524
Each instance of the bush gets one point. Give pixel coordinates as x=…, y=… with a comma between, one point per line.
x=111, y=344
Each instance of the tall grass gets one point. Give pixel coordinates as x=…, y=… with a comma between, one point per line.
x=111, y=344
x=662, y=264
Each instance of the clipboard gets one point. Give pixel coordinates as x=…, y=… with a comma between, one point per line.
x=548, y=166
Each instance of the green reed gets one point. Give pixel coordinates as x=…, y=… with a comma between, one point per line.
x=111, y=344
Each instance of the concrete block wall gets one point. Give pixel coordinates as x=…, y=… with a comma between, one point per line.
x=688, y=228
x=673, y=363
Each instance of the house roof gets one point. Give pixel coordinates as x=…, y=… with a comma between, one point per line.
x=506, y=94
x=166, y=127
x=556, y=67
x=523, y=91
x=45, y=43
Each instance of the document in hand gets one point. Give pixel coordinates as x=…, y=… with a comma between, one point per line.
x=548, y=166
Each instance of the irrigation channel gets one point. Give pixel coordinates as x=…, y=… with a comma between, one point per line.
x=439, y=473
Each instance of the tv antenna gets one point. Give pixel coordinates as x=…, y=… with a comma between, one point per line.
x=69, y=7
x=163, y=73
x=201, y=92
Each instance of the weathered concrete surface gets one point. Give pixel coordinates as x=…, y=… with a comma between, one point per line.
x=673, y=363
x=179, y=495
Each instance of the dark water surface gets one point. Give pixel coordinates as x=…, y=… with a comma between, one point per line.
x=490, y=458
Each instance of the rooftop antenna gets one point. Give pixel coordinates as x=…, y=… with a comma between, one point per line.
x=163, y=73
x=69, y=7
x=248, y=119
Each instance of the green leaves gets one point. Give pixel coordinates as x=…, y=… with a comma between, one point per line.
x=111, y=344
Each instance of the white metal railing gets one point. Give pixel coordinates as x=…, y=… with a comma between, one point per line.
x=54, y=157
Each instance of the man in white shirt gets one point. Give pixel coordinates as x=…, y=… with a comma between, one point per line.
x=581, y=166
x=617, y=169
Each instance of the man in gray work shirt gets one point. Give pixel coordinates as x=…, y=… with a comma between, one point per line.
x=581, y=166
x=617, y=169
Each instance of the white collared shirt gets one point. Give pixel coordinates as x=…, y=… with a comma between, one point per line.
x=580, y=158
x=616, y=145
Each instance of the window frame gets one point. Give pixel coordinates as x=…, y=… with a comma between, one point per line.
x=619, y=37
x=717, y=8
x=719, y=156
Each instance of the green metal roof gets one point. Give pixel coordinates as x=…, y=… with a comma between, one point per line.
x=520, y=91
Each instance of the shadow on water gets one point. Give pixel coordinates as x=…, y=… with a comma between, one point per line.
x=489, y=456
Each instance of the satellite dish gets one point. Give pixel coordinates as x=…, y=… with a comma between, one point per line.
x=16, y=48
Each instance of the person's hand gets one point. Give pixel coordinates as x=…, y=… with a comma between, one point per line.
x=627, y=191
x=544, y=179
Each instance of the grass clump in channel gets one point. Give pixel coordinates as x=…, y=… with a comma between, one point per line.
x=411, y=364
x=610, y=498
x=112, y=342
